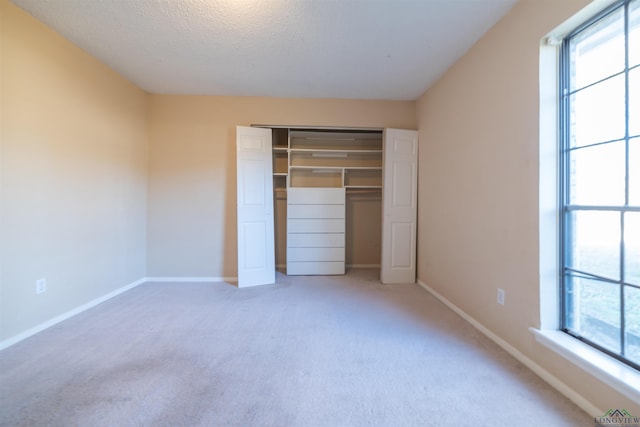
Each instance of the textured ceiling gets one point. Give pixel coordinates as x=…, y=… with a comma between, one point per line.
x=362, y=49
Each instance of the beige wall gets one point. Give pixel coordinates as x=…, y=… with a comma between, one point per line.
x=73, y=144
x=192, y=174
x=478, y=186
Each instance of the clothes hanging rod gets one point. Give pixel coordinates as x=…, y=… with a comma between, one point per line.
x=326, y=171
x=326, y=138
x=330, y=155
x=320, y=128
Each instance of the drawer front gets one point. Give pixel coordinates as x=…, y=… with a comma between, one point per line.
x=315, y=225
x=315, y=196
x=315, y=211
x=315, y=254
x=316, y=240
x=310, y=268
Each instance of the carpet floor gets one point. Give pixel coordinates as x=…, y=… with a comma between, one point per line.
x=308, y=351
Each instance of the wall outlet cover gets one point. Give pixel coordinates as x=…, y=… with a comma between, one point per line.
x=41, y=286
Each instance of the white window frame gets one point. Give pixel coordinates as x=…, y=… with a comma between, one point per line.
x=609, y=370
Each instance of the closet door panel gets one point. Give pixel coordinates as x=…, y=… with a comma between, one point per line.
x=399, y=196
x=256, y=249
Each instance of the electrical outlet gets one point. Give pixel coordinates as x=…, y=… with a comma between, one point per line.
x=41, y=285
x=500, y=296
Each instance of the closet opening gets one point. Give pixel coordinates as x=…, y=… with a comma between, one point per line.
x=326, y=200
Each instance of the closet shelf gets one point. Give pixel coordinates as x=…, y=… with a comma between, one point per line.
x=333, y=168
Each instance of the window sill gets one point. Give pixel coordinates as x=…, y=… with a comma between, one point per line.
x=612, y=372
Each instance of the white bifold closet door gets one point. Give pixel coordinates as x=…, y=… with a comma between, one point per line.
x=256, y=248
x=399, y=206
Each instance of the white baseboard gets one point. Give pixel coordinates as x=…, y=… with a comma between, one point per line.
x=51, y=322
x=54, y=321
x=283, y=266
x=363, y=265
x=190, y=279
x=552, y=380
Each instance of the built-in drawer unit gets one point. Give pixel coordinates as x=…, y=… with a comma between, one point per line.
x=315, y=268
x=315, y=231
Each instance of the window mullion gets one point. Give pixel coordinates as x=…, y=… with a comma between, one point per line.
x=563, y=194
x=626, y=183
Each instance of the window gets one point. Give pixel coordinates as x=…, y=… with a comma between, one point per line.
x=600, y=182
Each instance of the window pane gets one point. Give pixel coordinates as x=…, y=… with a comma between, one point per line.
x=632, y=323
x=597, y=175
x=632, y=247
x=596, y=311
x=634, y=172
x=595, y=243
x=598, y=113
x=634, y=102
x=598, y=51
x=634, y=33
